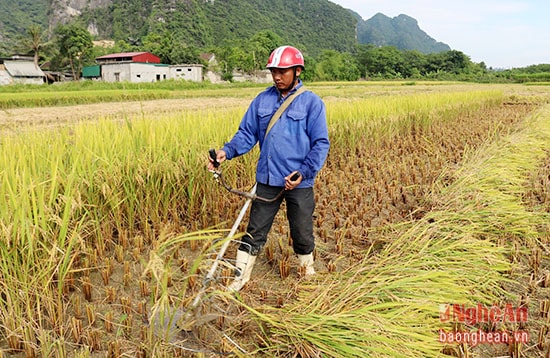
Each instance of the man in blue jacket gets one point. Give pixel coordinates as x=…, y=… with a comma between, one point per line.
x=296, y=144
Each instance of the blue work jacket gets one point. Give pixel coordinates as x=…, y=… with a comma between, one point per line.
x=298, y=141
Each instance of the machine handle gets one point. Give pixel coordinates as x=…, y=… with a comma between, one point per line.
x=295, y=176
x=212, y=153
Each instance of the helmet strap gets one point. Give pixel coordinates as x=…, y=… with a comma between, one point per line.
x=294, y=81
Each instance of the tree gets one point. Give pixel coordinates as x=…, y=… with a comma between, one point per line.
x=260, y=47
x=386, y=61
x=159, y=44
x=414, y=63
x=336, y=66
x=225, y=56
x=308, y=74
x=455, y=62
x=33, y=42
x=75, y=44
x=170, y=49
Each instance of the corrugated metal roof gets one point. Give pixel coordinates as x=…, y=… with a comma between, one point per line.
x=120, y=54
x=23, y=69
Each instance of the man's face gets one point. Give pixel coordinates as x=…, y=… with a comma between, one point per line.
x=284, y=77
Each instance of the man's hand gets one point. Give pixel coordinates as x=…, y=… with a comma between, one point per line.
x=293, y=180
x=220, y=158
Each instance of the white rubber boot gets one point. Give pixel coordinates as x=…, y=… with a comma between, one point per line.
x=244, y=263
x=307, y=262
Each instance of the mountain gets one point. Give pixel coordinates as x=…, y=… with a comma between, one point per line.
x=16, y=17
x=402, y=32
x=312, y=25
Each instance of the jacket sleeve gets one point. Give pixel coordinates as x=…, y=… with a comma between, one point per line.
x=319, y=141
x=247, y=135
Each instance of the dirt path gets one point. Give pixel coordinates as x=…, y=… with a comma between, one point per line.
x=50, y=116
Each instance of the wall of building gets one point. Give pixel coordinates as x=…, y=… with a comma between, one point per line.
x=20, y=71
x=263, y=76
x=5, y=78
x=186, y=72
x=133, y=72
x=213, y=77
x=28, y=80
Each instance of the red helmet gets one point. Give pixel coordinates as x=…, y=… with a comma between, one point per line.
x=285, y=57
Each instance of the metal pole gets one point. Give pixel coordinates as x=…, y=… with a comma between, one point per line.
x=224, y=247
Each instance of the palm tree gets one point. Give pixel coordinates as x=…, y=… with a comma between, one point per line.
x=33, y=41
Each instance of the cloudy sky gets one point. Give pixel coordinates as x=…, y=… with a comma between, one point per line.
x=501, y=33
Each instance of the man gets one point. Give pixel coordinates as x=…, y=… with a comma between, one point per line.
x=291, y=154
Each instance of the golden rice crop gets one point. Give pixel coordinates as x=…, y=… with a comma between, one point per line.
x=387, y=304
x=103, y=221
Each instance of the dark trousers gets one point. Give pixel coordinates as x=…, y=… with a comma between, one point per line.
x=300, y=204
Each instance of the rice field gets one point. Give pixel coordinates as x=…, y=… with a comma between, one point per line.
x=433, y=195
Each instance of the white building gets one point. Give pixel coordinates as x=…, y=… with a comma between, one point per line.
x=141, y=67
x=134, y=72
x=186, y=72
x=20, y=71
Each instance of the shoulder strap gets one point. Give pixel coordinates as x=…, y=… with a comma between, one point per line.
x=283, y=108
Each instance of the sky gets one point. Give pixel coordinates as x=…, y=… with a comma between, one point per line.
x=500, y=33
